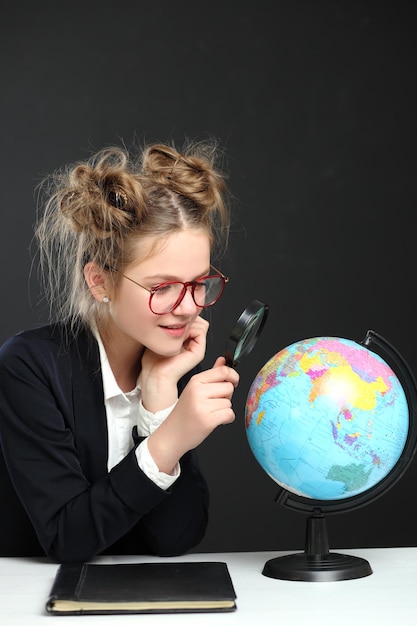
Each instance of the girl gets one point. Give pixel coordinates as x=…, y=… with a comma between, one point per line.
x=101, y=411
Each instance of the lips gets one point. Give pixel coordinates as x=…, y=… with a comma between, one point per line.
x=174, y=326
x=174, y=330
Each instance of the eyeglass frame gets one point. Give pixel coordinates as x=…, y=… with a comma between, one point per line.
x=189, y=283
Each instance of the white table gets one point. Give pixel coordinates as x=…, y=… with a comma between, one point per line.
x=388, y=597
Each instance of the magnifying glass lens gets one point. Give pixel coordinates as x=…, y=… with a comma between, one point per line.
x=249, y=335
x=246, y=332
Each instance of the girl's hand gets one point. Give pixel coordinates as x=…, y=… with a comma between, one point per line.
x=193, y=348
x=205, y=403
x=160, y=374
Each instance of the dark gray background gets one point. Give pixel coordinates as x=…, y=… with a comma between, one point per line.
x=315, y=103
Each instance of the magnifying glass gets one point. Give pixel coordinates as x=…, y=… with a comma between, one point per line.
x=245, y=332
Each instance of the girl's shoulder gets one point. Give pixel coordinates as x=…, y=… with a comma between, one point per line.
x=56, y=339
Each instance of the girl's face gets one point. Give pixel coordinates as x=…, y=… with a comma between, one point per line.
x=185, y=256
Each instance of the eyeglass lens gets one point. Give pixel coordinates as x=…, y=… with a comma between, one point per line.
x=169, y=295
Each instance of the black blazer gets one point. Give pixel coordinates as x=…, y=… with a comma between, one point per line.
x=56, y=495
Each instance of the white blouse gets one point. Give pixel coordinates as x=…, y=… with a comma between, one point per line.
x=124, y=411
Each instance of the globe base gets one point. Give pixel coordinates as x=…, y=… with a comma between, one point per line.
x=317, y=568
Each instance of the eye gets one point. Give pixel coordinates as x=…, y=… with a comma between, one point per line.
x=200, y=285
x=164, y=288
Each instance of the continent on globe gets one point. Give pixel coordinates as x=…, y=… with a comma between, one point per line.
x=327, y=418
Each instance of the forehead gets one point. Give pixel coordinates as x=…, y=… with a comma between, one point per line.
x=180, y=253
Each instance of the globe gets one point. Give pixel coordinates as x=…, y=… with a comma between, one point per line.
x=329, y=420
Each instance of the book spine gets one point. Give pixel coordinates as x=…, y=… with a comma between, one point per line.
x=66, y=584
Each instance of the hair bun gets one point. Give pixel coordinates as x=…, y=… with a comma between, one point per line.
x=118, y=199
x=102, y=195
x=190, y=173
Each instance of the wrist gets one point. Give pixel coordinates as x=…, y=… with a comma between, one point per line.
x=158, y=394
x=154, y=403
x=149, y=421
x=165, y=450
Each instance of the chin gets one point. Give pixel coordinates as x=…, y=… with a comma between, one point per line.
x=172, y=352
x=163, y=351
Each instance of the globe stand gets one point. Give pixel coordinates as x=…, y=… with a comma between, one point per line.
x=317, y=563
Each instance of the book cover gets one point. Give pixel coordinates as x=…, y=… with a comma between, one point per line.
x=159, y=587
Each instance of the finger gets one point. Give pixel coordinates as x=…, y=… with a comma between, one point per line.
x=231, y=372
x=199, y=325
x=224, y=372
x=223, y=414
x=221, y=390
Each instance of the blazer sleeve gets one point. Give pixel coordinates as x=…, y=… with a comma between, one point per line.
x=53, y=436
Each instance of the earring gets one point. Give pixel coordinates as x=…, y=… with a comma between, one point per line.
x=106, y=300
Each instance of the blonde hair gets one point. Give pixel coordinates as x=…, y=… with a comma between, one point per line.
x=99, y=210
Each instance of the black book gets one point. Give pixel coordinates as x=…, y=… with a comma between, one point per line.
x=159, y=587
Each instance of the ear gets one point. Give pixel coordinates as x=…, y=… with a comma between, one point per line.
x=97, y=280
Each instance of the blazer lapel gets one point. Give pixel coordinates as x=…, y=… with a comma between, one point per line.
x=89, y=409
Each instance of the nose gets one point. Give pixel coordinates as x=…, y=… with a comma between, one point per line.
x=187, y=306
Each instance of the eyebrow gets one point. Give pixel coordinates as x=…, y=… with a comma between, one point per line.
x=164, y=278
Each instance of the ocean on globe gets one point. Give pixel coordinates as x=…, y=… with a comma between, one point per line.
x=326, y=418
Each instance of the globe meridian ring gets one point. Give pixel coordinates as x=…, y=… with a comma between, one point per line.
x=335, y=415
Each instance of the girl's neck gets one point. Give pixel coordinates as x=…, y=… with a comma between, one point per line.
x=124, y=357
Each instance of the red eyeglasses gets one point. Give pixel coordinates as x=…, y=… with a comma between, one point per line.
x=165, y=297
